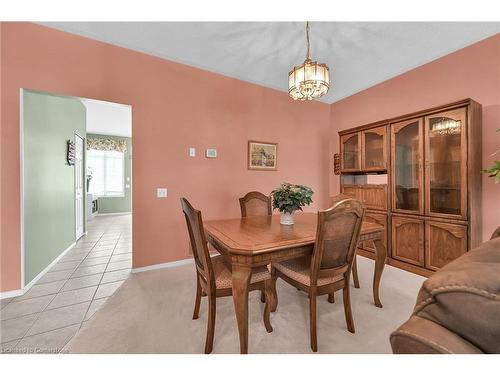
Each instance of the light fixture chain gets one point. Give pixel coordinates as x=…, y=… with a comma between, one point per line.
x=307, y=40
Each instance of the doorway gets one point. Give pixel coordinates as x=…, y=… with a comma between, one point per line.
x=76, y=165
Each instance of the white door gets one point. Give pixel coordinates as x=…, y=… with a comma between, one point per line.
x=79, y=186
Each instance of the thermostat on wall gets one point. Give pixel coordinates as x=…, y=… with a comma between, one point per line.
x=211, y=153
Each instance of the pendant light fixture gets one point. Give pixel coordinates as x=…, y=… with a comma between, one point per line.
x=310, y=80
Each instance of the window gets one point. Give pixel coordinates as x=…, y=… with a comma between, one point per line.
x=107, y=169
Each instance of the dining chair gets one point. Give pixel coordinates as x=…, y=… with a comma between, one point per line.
x=213, y=275
x=355, y=278
x=255, y=203
x=328, y=268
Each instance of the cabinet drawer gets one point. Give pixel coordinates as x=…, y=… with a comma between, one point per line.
x=374, y=197
x=444, y=243
x=408, y=240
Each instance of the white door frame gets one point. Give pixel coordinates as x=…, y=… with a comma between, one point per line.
x=21, y=177
x=78, y=235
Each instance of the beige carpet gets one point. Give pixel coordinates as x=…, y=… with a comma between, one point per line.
x=151, y=313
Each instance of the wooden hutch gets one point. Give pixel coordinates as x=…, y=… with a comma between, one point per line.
x=420, y=176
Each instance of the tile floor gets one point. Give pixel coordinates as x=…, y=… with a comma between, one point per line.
x=46, y=317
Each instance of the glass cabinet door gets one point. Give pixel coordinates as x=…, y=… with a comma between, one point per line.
x=407, y=158
x=350, y=152
x=445, y=153
x=374, y=149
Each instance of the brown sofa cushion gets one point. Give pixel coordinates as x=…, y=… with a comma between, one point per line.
x=464, y=297
x=418, y=335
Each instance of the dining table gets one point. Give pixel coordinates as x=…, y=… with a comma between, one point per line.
x=250, y=242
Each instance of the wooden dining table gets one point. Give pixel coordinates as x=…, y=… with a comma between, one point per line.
x=251, y=242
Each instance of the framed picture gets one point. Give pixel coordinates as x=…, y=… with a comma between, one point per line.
x=262, y=156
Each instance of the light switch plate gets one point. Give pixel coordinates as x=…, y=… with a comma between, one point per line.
x=211, y=153
x=161, y=192
x=192, y=152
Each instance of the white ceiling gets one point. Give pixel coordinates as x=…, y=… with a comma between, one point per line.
x=108, y=118
x=359, y=54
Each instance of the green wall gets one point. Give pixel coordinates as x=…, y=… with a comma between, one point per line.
x=108, y=205
x=49, y=202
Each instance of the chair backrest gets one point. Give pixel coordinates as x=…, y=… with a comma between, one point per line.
x=337, y=237
x=198, y=240
x=255, y=204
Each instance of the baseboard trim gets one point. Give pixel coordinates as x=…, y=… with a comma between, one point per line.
x=114, y=213
x=11, y=294
x=46, y=269
x=177, y=263
x=20, y=292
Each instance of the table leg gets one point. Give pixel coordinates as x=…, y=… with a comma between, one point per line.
x=241, y=280
x=381, y=255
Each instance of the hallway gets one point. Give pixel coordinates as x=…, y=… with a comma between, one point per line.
x=46, y=317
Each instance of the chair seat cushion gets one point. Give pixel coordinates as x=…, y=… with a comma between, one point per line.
x=299, y=269
x=223, y=276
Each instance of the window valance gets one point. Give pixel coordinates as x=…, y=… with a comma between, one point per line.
x=107, y=144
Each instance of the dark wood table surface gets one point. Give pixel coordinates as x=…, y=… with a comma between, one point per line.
x=255, y=241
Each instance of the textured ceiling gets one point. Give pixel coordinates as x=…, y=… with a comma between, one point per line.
x=359, y=54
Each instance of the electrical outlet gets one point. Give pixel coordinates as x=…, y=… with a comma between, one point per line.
x=192, y=152
x=161, y=193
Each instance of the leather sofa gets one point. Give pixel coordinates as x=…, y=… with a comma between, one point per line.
x=457, y=308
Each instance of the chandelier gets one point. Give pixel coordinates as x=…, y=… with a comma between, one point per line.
x=446, y=126
x=310, y=80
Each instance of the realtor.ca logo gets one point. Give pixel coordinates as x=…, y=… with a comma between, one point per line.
x=32, y=351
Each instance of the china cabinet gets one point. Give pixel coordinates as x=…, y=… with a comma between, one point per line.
x=432, y=203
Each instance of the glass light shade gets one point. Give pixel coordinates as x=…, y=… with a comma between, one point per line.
x=446, y=126
x=308, y=81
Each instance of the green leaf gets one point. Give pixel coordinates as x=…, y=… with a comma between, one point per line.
x=290, y=197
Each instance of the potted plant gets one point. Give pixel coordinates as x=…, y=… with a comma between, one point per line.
x=494, y=171
x=288, y=198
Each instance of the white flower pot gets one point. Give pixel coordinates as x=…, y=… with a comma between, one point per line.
x=286, y=218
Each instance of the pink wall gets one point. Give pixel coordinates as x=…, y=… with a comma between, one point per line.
x=472, y=72
x=1, y=175
x=174, y=107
